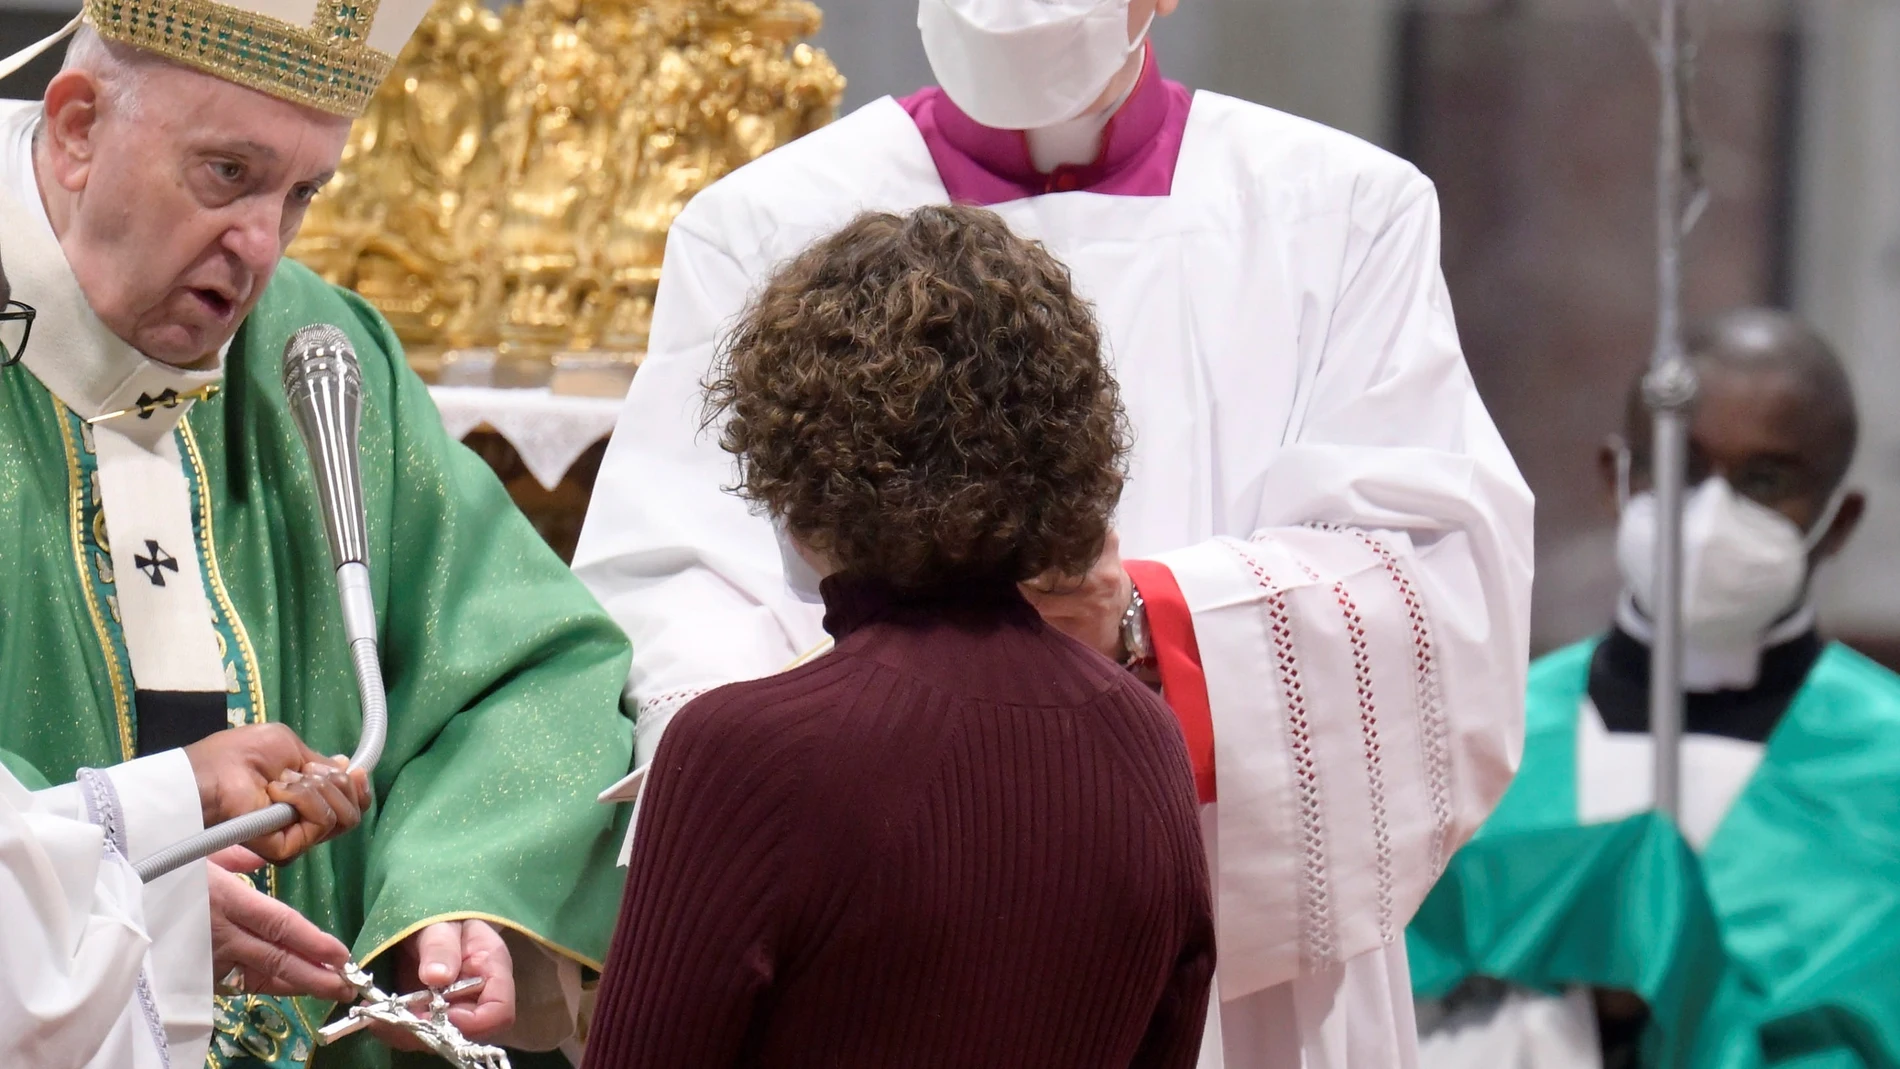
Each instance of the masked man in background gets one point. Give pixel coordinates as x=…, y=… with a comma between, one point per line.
x=1331, y=547
x=168, y=573
x=1789, y=759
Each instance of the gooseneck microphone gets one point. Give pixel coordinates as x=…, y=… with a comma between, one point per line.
x=326, y=399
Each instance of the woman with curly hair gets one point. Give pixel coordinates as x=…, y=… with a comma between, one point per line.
x=962, y=838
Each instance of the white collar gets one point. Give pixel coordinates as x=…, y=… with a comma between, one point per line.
x=72, y=352
x=1706, y=669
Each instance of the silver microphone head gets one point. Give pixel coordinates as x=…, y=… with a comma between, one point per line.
x=326, y=399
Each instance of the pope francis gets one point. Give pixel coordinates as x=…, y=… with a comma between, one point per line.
x=166, y=569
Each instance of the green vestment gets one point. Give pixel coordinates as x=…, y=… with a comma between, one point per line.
x=504, y=676
x=1779, y=945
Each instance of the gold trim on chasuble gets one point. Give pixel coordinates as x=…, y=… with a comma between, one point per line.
x=247, y=1030
x=259, y=1032
x=327, y=65
x=498, y=923
x=242, y=681
x=491, y=920
x=92, y=556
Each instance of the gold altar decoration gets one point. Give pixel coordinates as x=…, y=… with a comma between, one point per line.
x=507, y=195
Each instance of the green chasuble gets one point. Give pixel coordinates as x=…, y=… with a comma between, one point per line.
x=504, y=675
x=1778, y=946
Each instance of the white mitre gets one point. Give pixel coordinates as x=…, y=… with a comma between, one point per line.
x=326, y=54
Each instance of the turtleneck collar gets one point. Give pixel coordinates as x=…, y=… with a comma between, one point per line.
x=72, y=352
x=853, y=602
x=1140, y=145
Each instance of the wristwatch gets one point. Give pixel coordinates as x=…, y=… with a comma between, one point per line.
x=1138, y=646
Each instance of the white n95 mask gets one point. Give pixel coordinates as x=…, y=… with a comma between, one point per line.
x=1744, y=565
x=800, y=577
x=1026, y=64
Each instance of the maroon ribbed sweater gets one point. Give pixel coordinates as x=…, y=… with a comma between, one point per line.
x=960, y=840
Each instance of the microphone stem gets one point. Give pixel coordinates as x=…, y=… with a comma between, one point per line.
x=359, y=627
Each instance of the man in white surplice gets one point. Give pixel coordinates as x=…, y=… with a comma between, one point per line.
x=1330, y=547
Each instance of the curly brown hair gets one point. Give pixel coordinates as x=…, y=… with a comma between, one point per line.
x=923, y=399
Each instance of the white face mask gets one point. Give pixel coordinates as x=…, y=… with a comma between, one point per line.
x=800, y=577
x=1744, y=565
x=1026, y=64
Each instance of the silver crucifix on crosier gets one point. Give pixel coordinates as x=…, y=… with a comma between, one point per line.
x=433, y=1029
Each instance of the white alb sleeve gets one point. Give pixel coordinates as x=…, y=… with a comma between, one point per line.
x=76, y=938
x=1365, y=649
x=146, y=805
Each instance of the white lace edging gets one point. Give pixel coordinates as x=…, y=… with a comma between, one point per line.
x=104, y=810
x=1319, y=946
x=1435, y=729
x=666, y=703
x=1375, y=771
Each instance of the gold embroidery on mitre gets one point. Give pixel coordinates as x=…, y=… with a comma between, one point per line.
x=327, y=65
x=346, y=21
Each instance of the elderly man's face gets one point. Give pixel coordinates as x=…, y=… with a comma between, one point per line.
x=180, y=211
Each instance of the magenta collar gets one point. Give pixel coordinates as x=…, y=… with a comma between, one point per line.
x=980, y=165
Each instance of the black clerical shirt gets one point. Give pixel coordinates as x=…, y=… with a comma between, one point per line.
x=1619, y=687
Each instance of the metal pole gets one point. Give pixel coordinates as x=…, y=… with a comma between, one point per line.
x=1668, y=390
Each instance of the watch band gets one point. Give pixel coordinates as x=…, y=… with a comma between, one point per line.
x=1138, y=648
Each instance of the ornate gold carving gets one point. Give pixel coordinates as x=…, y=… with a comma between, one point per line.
x=408, y=216
x=511, y=186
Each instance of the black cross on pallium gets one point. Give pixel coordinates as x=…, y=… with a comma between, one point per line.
x=156, y=565
x=147, y=404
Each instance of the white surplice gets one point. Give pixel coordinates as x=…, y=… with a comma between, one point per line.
x=97, y=969
x=1311, y=460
